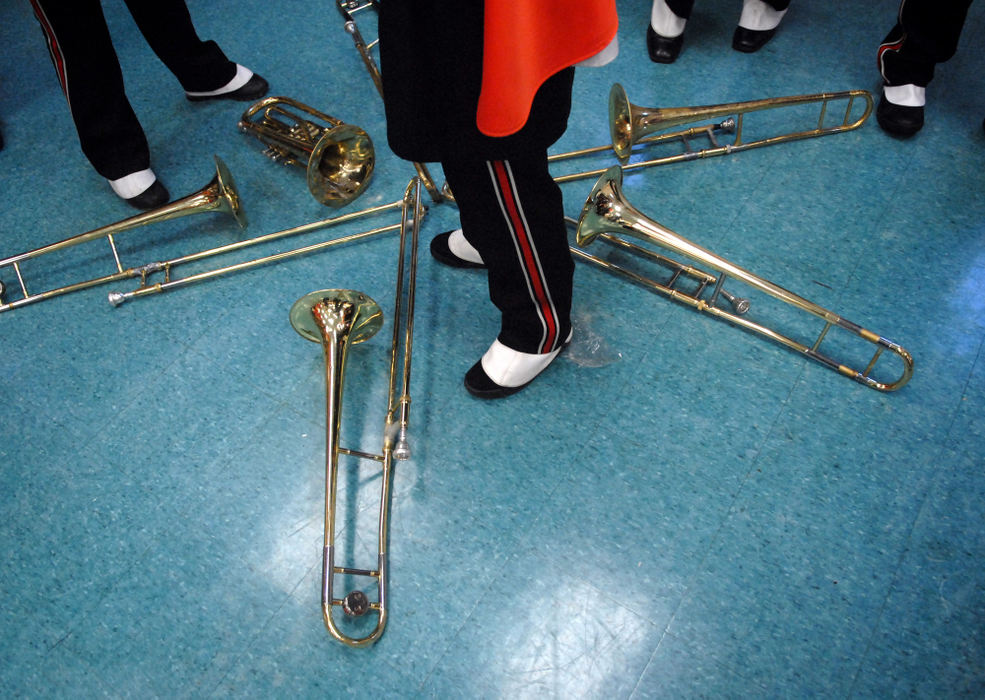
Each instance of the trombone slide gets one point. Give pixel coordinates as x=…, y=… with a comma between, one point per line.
x=606, y=211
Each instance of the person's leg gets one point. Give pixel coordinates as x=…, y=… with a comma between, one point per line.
x=758, y=23
x=200, y=66
x=512, y=215
x=665, y=33
x=89, y=72
x=924, y=35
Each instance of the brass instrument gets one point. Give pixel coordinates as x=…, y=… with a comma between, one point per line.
x=219, y=195
x=630, y=125
x=348, y=8
x=606, y=211
x=166, y=267
x=337, y=157
x=337, y=318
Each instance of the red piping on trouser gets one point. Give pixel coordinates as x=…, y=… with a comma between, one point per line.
x=526, y=251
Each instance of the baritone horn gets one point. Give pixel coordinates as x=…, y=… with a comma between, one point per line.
x=338, y=157
x=338, y=318
x=219, y=195
x=606, y=212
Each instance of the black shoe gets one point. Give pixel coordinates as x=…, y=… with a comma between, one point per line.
x=255, y=88
x=751, y=40
x=662, y=49
x=154, y=196
x=899, y=120
x=442, y=253
x=522, y=366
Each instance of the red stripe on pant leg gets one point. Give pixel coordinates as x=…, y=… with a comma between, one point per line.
x=526, y=248
x=53, y=48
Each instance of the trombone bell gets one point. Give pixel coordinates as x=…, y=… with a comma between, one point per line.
x=607, y=212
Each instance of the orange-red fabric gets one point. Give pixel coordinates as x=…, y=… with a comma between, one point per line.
x=528, y=41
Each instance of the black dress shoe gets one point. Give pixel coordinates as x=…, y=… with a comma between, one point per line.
x=255, y=88
x=751, y=40
x=899, y=120
x=661, y=48
x=154, y=196
x=441, y=252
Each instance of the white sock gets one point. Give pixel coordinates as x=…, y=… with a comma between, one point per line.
x=131, y=185
x=906, y=95
x=759, y=16
x=461, y=248
x=664, y=21
x=241, y=78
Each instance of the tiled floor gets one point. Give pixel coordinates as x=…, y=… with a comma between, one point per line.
x=677, y=508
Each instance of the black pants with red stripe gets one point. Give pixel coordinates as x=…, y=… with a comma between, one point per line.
x=926, y=33
x=89, y=71
x=512, y=213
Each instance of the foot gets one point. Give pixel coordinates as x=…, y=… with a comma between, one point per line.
x=155, y=196
x=757, y=25
x=751, y=40
x=245, y=86
x=663, y=49
x=451, y=248
x=503, y=371
x=900, y=110
x=141, y=190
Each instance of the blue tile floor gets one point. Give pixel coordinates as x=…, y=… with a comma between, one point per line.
x=678, y=508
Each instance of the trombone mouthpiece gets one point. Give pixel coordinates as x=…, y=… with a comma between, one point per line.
x=116, y=298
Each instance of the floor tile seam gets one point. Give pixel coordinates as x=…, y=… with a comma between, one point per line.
x=453, y=637
x=904, y=554
x=255, y=640
x=730, y=511
x=687, y=651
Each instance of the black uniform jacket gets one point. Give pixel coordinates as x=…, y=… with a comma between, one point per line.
x=431, y=62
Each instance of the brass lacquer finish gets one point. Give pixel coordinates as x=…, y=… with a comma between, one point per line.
x=219, y=195
x=337, y=318
x=630, y=124
x=338, y=157
x=167, y=267
x=606, y=211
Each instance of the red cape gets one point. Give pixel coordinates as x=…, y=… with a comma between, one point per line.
x=528, y=41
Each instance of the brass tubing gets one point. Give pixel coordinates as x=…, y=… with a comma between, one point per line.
x=117, y=298
x=219, y=195
x=606, y=211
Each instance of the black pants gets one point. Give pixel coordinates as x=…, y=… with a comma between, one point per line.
x=926, y=33
x=89, y=71
x=682, y=8
x=512, y=213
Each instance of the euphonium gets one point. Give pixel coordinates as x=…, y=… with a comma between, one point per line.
x=338, y=158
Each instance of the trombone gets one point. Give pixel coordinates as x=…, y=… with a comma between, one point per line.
x=219, y=195
x=606, y=212
x=631, y=125
x=338, y=158
x=348, y=8
x=338, y=318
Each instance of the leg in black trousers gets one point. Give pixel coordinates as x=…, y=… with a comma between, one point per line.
x=512, y=214
x=924, y=35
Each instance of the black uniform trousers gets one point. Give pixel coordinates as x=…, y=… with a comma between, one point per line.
x=926, y=33
x=682, y=8
x=511, y=211
x=89, y=72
